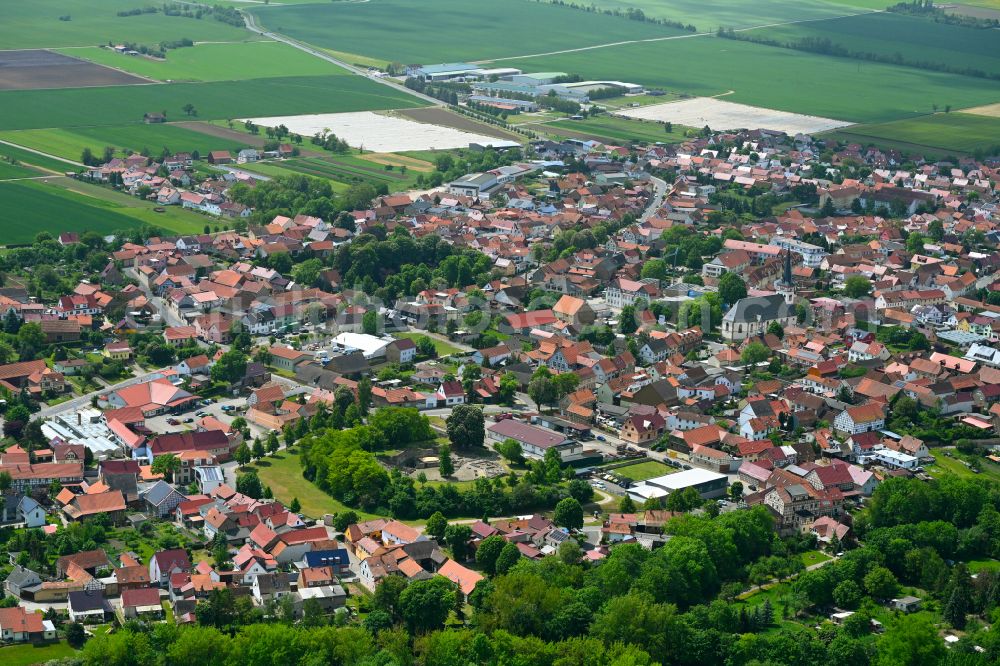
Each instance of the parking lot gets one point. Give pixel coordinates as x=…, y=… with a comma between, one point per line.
x=224, y=410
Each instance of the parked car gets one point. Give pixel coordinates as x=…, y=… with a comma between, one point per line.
x=173, y=421
x=201, y=414
x=602, y=438
x=188, y=420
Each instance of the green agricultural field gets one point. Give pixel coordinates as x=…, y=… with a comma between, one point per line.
x=708, y=16
x=28, y=158
x=776, y=78
x=69, y=143
x=35, y=24
x=648, y=469
x=215, y=62
x=911, y=39
x=33, y=206
x=120, y=105
x=940, y=133
x=610, y=129
x=10, y=171
x=348, y=169
x=438, y=31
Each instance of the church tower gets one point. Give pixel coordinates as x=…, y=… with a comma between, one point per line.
x=786, y=286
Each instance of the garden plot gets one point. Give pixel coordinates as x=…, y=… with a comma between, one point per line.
x=722, y=115
x=379, y=133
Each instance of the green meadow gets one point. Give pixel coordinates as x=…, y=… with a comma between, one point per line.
x=120, y=105
x=215, y=62
x=437, y=31
x=36, y=24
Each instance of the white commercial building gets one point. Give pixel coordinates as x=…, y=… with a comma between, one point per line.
x=708, y=484
x=370, y=346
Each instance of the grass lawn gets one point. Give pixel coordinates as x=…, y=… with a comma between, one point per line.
x=814, y=557
x=215, y=62
x=36, y=24
x=611, y=129
x=284, y=474
x=69, y=143
x=641, y=471
x=975, y=566
x=25, y=655
x=953, y=465
x=939, y=133
x=371, y=29
x=442, y=347
x=217, y=100
x=775, y=78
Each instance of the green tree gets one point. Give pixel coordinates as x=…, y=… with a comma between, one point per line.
x=626, y=505
x=295, y=506
x=425, y=604
x=627, y=323
x=912, y=640
x=488, y=551
x=258, y=449
x=754, y=353
x=466, y=426
x=569, y=514
x=445, y=465
x=242, y=454
x=369, y=323
x=543, y=391
x=857, y=286
x=75, y=635
x=457, y=537
x=306, y=273
x=570, y=552
x=344, y=519
x=230, y=368
x=167, y=465
x=511, y=450
x=508, y=388
x=881, y=583
x=958, y=597
x=732, y=288
x=249, y=484
x=509, y=556
x=775, y=328
x=436, y=526
x=387, y=594
x=847, y=594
